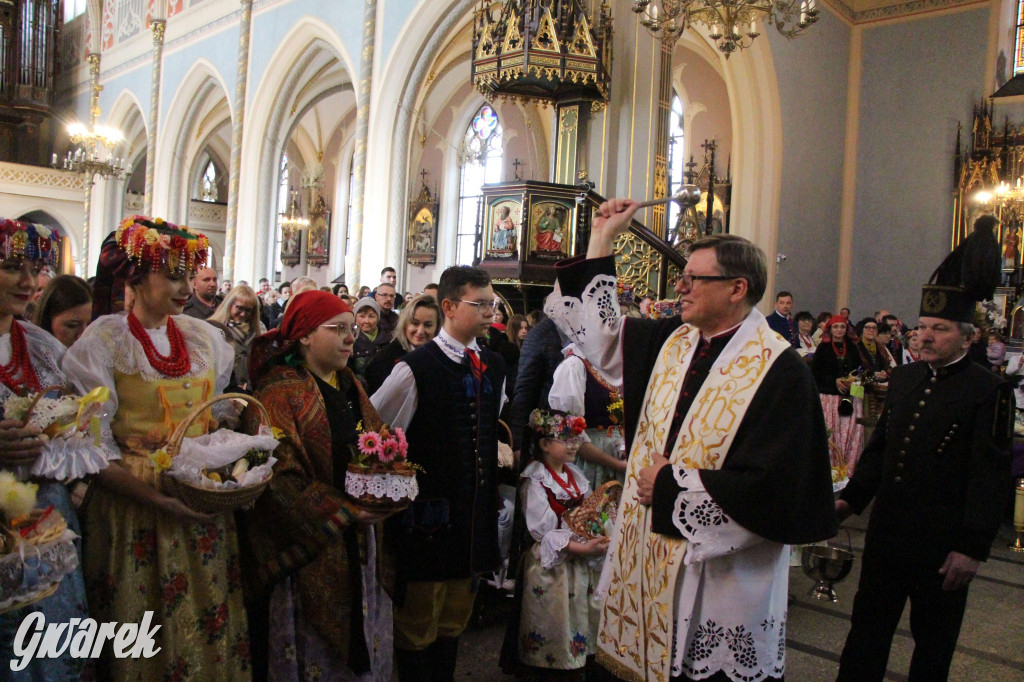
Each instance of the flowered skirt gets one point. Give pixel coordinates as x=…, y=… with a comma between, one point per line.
x=847, y=433
x=560, y=613
x=138, y=560
x=66, y=603
x=298, y=652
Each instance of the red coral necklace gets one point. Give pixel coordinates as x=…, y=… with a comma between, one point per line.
x=18, y=374
x=570, y=480
x=177, y=363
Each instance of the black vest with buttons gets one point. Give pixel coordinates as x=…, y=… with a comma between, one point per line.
x=451, y=530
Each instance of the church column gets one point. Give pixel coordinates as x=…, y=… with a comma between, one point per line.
x=241, y=86
x=93, y=60
x=363, y=90
x=159, y=26
x=656, y=215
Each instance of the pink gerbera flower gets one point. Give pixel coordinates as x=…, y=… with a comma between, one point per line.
x=388, y=450
x=369, y=443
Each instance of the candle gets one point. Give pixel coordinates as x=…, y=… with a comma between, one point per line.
x=1018, y=506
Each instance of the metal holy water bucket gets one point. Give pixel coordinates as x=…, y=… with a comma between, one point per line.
x=827, y=565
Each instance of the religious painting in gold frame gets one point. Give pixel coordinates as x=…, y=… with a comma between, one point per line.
x=421, y=235
x=291, y=245
x=502, y=228
x=552, y=229
x=318, y=246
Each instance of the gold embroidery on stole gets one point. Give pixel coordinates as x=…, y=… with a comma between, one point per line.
x=636, y=631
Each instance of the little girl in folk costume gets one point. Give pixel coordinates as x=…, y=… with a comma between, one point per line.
x=558, y=620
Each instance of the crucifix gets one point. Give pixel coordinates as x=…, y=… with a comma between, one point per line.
x=516, y=164
x=423, y=176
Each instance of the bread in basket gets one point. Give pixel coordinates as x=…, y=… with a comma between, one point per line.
x=219, y=472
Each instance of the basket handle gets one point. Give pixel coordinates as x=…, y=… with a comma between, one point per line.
x=507, y=430
x=39, y=396
x=178, y=435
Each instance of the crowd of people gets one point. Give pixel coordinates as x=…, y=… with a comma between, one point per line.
x=719, y=423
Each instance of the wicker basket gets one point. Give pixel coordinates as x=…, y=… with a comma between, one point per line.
x=368, y=500
x=12, y=558
x=582, y=519
x=207, y=500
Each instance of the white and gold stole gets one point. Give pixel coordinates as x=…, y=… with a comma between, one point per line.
x=636, y=632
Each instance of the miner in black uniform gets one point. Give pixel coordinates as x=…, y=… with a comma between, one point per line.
x=937, y=466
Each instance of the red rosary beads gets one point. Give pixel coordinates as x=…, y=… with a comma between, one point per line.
x=177, y=363
x=18, y=374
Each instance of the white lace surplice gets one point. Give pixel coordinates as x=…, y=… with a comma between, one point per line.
x=731, y=593
x=62, y=459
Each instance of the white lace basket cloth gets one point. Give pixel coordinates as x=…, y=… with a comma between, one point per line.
x=385, y=487
x=33, y=572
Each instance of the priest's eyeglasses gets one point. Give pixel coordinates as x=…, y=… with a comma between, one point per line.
x=342, y=330
x=688, y=280
x=485, y=308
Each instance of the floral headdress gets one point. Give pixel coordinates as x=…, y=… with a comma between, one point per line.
x=162, y=245
x=29, y=241
x=558, y=425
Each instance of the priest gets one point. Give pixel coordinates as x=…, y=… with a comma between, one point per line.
x=728, y=463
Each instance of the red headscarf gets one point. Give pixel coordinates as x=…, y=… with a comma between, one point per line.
x=305, y=312
x=837, y=319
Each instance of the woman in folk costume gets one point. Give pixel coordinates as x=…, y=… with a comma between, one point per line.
x=578, y=388
x=312, y=566
x=30, y=361
x=558, y=613
x=146, y=551
x=834, y=360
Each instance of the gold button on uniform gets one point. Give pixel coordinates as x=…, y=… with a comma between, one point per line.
x=186, y=385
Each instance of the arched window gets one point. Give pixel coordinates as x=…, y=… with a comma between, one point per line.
x=73, y=8
x=676, y=161
x=1018, y=41
x=282, y=210
x=480, y=158
x=208, y=183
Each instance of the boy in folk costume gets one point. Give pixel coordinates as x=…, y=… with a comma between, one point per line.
x=446, y=395
x=728, y=463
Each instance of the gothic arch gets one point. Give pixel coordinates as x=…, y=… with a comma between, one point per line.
x=125, y=115
x=422, y=39
x=199, y=108
x=273, y=112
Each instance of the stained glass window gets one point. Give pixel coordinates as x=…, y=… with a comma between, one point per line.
x=1018, y=41
x=282, y=210
x=481, y=156
x=676, y=160
x=208, y=184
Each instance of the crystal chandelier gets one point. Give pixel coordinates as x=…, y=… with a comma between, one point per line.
x=732, y=24
x=294, y=219
x=94, y=153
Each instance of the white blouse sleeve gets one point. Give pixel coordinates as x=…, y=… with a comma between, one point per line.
x=395, y=400
x=594, y=323
x=88, y=364
x=710, y=531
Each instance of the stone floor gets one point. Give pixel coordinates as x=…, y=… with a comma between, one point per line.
x=991, y=646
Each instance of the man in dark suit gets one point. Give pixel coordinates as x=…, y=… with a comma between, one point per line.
x=781, y=319
x=938, y=467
